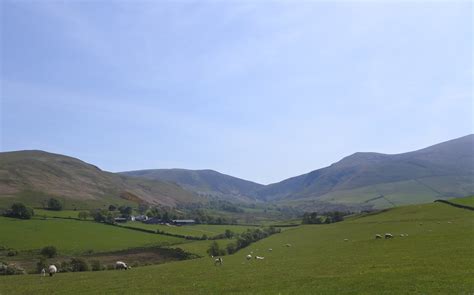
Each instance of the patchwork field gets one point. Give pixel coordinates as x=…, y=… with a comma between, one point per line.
x=192, y=230
x=74, y=237
x=435, y=258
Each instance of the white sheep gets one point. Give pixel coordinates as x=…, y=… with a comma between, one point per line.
x=248, y=257
x=121, y=265
x=219, y=261
x=52, y=269
x=388, y=236
x=378, y=236
x=43, y=272
x=259, y=257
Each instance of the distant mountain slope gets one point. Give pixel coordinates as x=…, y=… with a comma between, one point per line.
x=204, y=182
x=442, y=170
x=70, y=178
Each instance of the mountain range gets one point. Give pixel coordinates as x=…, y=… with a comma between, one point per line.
x=361, y=180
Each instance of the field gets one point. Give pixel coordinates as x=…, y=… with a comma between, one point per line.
x=435, y=258
x=192, y=230
x=468, y=201
x=74, y=237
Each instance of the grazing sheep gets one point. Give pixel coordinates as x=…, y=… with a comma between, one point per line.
x=52, y=269
x=288, y=245
x=248, y=257
x=346, y=240
x=378, y=236
x=270, y=249
x=219, y=261
x=121, y=265
x=402, y=235
x=259, y=257
x=388, y=236
x=43, y=272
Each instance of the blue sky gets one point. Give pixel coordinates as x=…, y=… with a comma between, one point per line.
x=257, y=89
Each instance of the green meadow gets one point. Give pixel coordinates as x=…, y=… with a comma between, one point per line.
x=192, y=230
x=342, y=258
x=73, y=236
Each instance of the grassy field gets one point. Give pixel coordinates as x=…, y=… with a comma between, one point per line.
x=467, y=201
x=192, y=230
x=435, y=258
x=72, y=236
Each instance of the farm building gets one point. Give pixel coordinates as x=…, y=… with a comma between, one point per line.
x=183, y=221
x=153, y=220
x=139, y=218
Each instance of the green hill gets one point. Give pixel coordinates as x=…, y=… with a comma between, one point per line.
x=433, y=257
x=378, y=180
x=204, y=182
x=34, y=176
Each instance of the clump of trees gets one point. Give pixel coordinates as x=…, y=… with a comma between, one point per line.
x=325, y=218
x=49, y=251
x=54, y=204
x=102, y=215
x=19, y=210
x=243, y=240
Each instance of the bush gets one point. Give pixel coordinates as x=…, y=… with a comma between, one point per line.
x=12, y=252
x=19, y=210
x=83, y=215
x=79, y=264
x=54, y=204
x=49, y=251
x=11, y=269
x=215, y=250
x=41, y=264
x=96, y=265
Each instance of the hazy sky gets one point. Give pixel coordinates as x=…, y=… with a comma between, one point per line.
x=261, y=90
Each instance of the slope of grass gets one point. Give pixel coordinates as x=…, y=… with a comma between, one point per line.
x=467, y=201
x=191, y=230
x=73, y=237
x=435, y=258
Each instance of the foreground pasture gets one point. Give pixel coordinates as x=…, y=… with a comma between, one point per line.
x=436, y=258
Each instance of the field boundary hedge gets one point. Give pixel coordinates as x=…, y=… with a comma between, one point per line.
x=455, y=205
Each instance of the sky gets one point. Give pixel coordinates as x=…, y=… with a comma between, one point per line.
x=261, y=90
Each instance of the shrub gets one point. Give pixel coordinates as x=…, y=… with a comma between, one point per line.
x=11, y=269
x=215, y=250
x=54, y=204
x=41, y=264
x=79, y=264
x=19, y=210
x=12, y=252
x=83, y=215
x=96, y=265
x=49, y=251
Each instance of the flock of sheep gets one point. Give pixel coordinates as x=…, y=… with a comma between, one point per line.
x=52, y=269
x=219, y=260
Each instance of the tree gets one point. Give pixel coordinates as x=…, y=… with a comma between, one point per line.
x=83, y=215
x=79, y=264
x=142, y=208
x=49, y=251
x=54, y=204
x=215, y=250
x=19, y=210
x=229, y=234
x=112, y=208
x=125, y=211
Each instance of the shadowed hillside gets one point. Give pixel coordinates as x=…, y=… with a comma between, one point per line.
x=206, y=182
x=439, y=171
x=48, y=174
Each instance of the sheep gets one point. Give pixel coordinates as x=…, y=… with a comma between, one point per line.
x=402, y=235
x=248, y=257
x=52, y=269
x=259, y=257
x=288, y=245
x=378, y=236
x=43, y=272
x=270, y=249
x=388, y=236
x=121, y=265
x=346, y=240
x=219, y=261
